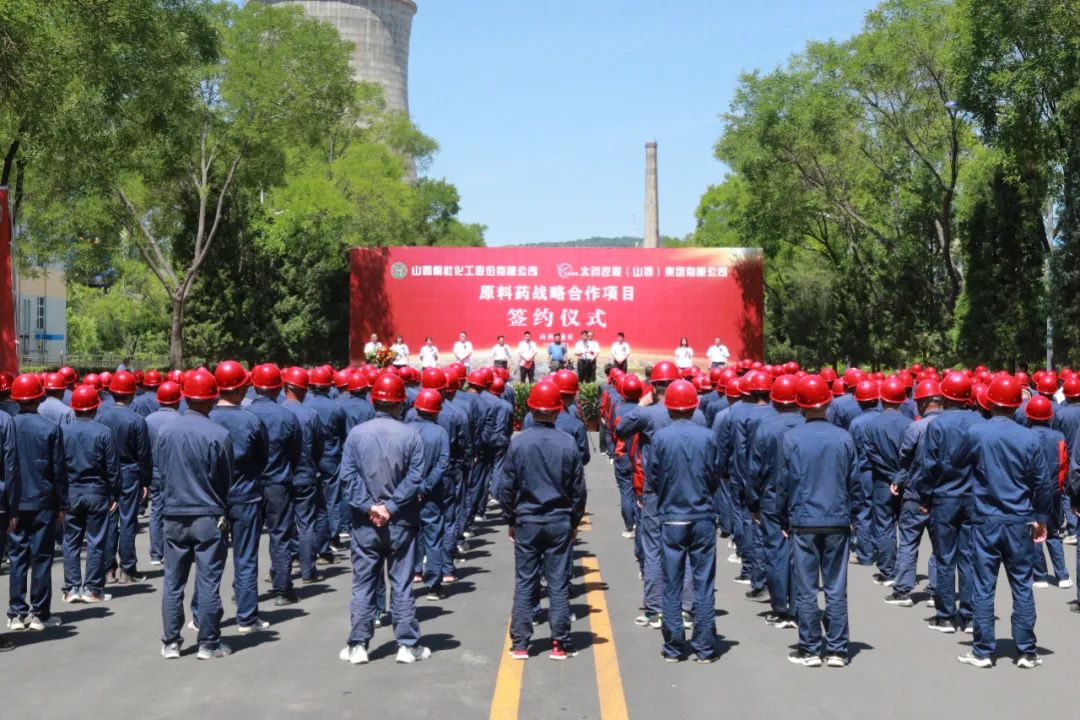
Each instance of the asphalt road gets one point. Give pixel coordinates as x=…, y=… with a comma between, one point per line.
x=104, y=660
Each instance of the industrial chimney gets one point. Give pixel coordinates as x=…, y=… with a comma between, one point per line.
x=652, y=202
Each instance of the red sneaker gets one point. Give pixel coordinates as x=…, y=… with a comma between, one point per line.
x=561, y=651
x=519, y=653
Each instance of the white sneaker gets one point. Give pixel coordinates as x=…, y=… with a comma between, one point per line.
x=191, y=625
x=170, y=651
x=1065, y=584
x=154, y=561
x=412, y=654
x=36, y=623
x=974, y=661
x=16, y=623
x=1028, y=662
x=253, y=627
x=354, y=654
x=628, y=534
x=1040, y=584
x=734, y=558
x=1070, y=540
x=89, y=597
x=222, y=650
x=836, y=661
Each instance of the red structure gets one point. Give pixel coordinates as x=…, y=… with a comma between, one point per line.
x=9, y=358
x=655, y=296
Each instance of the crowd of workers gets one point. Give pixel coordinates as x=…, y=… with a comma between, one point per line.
x=803, y=473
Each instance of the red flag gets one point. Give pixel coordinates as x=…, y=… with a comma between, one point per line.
x=9, y=359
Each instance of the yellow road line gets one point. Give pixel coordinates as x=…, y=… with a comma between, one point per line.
x=507, y=696
x=608, y=678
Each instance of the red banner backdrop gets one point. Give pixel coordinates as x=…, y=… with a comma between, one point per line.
x=9, y=358
x=655, y=296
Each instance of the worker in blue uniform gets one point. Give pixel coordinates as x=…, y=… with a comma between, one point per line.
x=424, y=418
x=1040, y=413
x=570, y=425
x=382, y=465
x=136, y=466
x=42, y=500
x=306, y=473
x=167, y=399
x=93, y=474
x=250, y=446
x=819, y=496
x=1010, y=506
x=725, y=507
x=284, y=452
x=913, y=520
x=332, y=416
x=884, y=434
x=465, y=404
x=846, y=408
x=10, y=487
x=766, y=465
x=758, y=408
x=683, y=474
x=1067, y=421
x=146, y=403
x=630, y=389
x=7, y=405
x=488, y=435
x=542, y=494
x=53, y=406
x=868, y=405
x=944, y=491
x=194, y=457
x=731, y=496
x=355, y=403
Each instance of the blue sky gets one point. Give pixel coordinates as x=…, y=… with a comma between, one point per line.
x=542, y=108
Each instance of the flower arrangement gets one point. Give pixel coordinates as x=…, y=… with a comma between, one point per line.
x=382, y=357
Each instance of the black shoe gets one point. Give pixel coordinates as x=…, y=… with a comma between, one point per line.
x=804, y=658
x=1075, y=607
x=760, y=594
x=128, y=578
x=286, y=598
x=6, y=645
x=325, y=559
x=901, y=599
x=942, y=626
x=316, y=578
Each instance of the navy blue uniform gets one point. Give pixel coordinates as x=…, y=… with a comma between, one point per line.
x=42, y=492
x=884, y=436
x=56, y=410
x=329, y=521
x=542, y=493
x=433, y=491
x=383, y=464
x=843, y=410
x=93, y=474
x=10, y=486
x=285, y=442
x=819, y=494
x=864, y=520
x=573, y=427
x=194, y=457
x=913, y=521
x=743, y=428
x=1008, y=493
x=154, y=422
x=146, y=404
x=357, y=410
x=250, y=449
x=454, y=419
x=306, y=485
x=1057, y=466
x=684, y=475
x=132, y=442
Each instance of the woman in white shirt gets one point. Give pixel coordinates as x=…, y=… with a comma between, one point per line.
x=401, y=352
x=684, y=355
x=429, y=354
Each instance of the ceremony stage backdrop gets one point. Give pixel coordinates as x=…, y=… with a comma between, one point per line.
x=655, y=296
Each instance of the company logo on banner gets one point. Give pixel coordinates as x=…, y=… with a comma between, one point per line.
x=654, y=296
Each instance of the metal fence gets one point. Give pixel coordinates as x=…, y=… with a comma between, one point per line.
x=32, y=362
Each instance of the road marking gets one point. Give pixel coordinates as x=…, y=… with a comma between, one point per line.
x=608, y=678
x=507, y=696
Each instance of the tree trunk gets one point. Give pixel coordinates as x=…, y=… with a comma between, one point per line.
x=176, y=332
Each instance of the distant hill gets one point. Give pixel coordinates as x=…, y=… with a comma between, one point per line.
x=605, y=242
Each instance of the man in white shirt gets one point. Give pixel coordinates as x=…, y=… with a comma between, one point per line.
x=463, y=351
x=620, y=352
x=429, y=354
x=372, y=346
x=526, y=350
x=401, y=352
x=586, y=361
x=594, y=353
x=500, y=354
x=718, y=354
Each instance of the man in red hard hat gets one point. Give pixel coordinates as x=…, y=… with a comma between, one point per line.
x=382, y=465
x=542, y=494
x=743, y=425
x=331, y=521
x=306, y=491
x=168, y=402
x=1010, y=504
x=496, y=419
x=866, y=408
x=1067, y=421
x=53, y=406
x=818, y=499
x=1040, y=414
x=147, y=403
x=430, y=540
x=627, y=457
x=845, y=408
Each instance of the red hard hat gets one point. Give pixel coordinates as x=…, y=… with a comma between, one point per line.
x=388, y=388
x=716, y=375
x=631, y=387
x=813, y=392
x=852, y=377
x=151, y=378
x=70, y=376
x=168, y=393
x=433, y=378
x=176, y=376
x=828, y=374
x=266, y=377
x=123, y=383
x=866, y=391
x=791, y=367
x=501, y=373
x=231, y=375
x=320, y=377
x=428, y=400
x=567, y=382
x=55, y=381
x=732, y=389
x=956, y=387
x=981, y=392
x=664, y=371
x=927, y=389
x=138, y=376
x=1004, y=391
x=1046, y=382
x=785, y=391
x=84, y=398
x=26, y=387
x=1071, y=387
x=498, y=385
x=905, y=377
x=297, y=377
x=481, y=378
x=93, y=380
x=893, y=391
x=702, y=382
x=358, y=381
x=341, y=378
x=680, y=395
x=201, y=385
x=1023, y=378
x=915, y=368
x=837, y=387
x=545, y=396
x=759, y=382
x=106, y=379
x=1039, y=408
x=371, y=373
